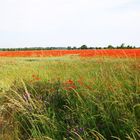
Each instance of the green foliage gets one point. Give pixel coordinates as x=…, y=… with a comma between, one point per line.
x=83, y=47
x=110, y=47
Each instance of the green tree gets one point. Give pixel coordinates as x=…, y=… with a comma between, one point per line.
x=122, y=46
x=110, y=47
x=69, y=48
x=83, y=47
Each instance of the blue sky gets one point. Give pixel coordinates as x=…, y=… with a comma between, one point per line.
x=33, y=23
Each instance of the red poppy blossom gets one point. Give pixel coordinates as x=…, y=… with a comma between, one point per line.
x=37, y=78
x=70, y=82
x=80, y=82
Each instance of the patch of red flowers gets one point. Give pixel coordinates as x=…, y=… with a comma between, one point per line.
x=69, y=85
x=35, y=78
x=82, y=53
x=80, y=81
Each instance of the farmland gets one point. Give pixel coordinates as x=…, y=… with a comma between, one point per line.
x=64, y=95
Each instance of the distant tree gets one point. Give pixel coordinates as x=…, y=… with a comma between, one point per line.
x=110, y=47
x=91, y=48
x=129, y=47
x=122, y=46
x=69, y=48
x=74, y=48
x=97, y=48
x=83, y=47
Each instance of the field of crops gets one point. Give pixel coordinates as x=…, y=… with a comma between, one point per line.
x=70, y=97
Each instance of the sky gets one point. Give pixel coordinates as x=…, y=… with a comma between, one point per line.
x=62, y=23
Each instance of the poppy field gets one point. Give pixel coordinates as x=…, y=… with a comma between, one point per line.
x=82, y=53
x=70, y=95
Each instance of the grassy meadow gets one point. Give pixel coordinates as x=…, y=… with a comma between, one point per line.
x=69, y=98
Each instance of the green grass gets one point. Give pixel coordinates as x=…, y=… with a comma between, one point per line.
x=69, y=97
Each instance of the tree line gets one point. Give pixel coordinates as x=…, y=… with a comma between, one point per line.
x=122, y=46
